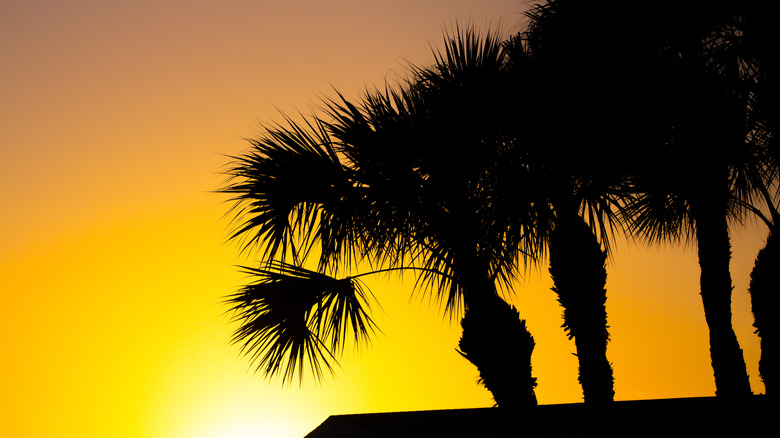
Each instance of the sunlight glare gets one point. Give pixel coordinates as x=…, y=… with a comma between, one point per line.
x=246, y=428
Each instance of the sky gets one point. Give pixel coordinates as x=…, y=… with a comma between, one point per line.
x=116, y=118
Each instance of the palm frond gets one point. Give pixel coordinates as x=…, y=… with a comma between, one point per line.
x=466, y=54
x=657, y=217
x=290, y=316
x=287, y=188
x=378, y=140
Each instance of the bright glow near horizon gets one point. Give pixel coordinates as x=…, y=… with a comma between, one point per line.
x=116, y=116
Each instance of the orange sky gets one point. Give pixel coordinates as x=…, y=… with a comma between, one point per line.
x=113, y=117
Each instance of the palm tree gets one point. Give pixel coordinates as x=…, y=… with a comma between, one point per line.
x=687, y=192
x=412, y=178
x=738, y=55
x=764, y=281
x=546, y=195
x=755, y=48
x=700, y=171
x=572, y=154
x=673, y=86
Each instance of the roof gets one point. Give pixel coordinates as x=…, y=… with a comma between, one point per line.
x=669, y=418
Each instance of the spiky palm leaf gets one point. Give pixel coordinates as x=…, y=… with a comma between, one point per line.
x=290, y=316
x=290, y=191
x=372, y=140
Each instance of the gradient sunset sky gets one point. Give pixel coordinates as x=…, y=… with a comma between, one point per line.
x=115, y=116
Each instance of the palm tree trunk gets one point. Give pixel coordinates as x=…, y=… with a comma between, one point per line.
x=577, y=267
x=497, y=342
x=764, y=282
x=728, y=363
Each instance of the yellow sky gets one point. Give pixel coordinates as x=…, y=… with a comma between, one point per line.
x=113, y=117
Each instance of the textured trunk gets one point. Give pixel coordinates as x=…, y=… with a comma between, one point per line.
x=764, y=283
x=577, y=267
x=728, y=363
x=497, y=342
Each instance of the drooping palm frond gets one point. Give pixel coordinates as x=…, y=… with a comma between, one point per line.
x=655, y=216
x=602, y=204
x=290, y=316
x=290, y=191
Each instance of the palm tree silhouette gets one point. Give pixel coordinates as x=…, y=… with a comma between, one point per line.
x=685, y=196
x=677, y=79
x=756, y=50
x=702, y=168
x=413, y=177
x=577, y=163
x=764, y=279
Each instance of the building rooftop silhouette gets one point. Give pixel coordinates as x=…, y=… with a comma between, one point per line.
x=684, y=417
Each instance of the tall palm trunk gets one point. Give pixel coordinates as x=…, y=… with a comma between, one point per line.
x=728, y=363
x=577, y=267
x=764, y=283
x=497, y=342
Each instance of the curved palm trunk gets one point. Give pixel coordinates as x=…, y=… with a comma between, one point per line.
x=497, y=342
x=577, y=267
x=764, y=282
x=728, y=363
